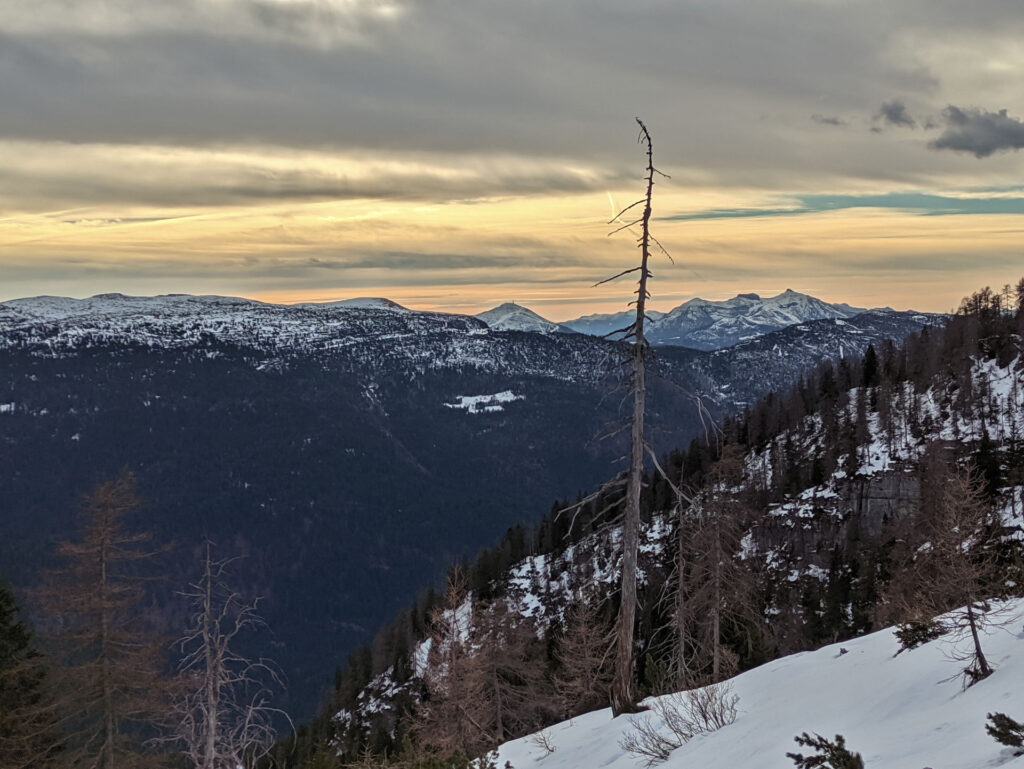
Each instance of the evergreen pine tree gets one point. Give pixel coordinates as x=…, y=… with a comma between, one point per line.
x=26, y=723
x=1006, y=731
x=832, y=754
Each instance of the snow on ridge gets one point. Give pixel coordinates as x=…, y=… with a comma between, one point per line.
x=513, y=317
x=903, y=711
x=359, y=302
x=480, y=404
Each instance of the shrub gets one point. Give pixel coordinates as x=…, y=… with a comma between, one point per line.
x=832, y=754
x=1006, y=731
x=678, y=718
x=916, y=632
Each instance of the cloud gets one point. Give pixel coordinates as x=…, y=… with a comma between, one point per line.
x=979, y=132
x=828, y=120
x=922, y=204
x=895, y=113
x=59, y=175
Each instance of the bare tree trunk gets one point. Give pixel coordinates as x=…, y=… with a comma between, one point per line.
x=716, y=616
x=622, y=697
x=109, y=727
x=212, y=663
x=984, y=671
x=683, y=674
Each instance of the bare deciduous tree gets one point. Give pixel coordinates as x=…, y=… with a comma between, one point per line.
x=222, y=716
x=486, y=683
x=949, y=560
x=584, y=657
x=443, y=722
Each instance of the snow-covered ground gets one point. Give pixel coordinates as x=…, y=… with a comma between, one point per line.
x=906, y=711
x=479, y=404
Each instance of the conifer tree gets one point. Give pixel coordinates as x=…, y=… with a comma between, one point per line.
x=110, y=689
x=26, y=719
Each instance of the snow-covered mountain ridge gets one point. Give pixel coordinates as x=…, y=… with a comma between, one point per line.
x=708, y=325
x=899, y=711
x=182, y=319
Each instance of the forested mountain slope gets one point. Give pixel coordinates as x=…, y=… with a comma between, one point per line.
x=820, y=514
x=349, y=452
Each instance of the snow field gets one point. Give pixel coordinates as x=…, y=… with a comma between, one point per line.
x=906, y=711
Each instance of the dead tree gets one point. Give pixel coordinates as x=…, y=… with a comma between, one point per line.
x=222, y=718
x=110, y=689
x=623, y=699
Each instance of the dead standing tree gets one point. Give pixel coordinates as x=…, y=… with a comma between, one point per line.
x=622, y=696
x=221, y=713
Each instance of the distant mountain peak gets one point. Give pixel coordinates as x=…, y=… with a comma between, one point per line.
x=361, y=303
x=514, y=317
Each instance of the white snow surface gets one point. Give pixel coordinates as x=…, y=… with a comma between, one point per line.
x=360, y=302
x=514, y=317
x=480, y=404
x=906, y=711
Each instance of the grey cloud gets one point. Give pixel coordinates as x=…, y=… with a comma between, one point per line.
x=725, y=86
x=979, y=132
x=895, y=113
x=460, y=76
x=40, y=175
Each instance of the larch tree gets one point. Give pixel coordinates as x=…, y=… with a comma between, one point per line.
x=485, y=681
x=110, y=691
x=444, y=723
x=584, y=659
x=949, y=561
x=714, y=587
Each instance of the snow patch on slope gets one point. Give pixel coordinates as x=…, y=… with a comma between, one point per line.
x=899, y=712
x=480, y=404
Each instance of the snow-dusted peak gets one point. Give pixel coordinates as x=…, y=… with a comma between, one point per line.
x=707, y=324
x=513, y=317
x=359, y=302
x=605, y=324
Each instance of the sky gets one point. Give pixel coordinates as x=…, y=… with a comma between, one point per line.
x=456, y=154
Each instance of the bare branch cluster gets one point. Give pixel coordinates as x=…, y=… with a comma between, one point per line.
x=222, y=717
x=675, y=719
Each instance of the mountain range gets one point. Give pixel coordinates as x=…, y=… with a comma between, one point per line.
x=351, y=451
x=698, y=323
